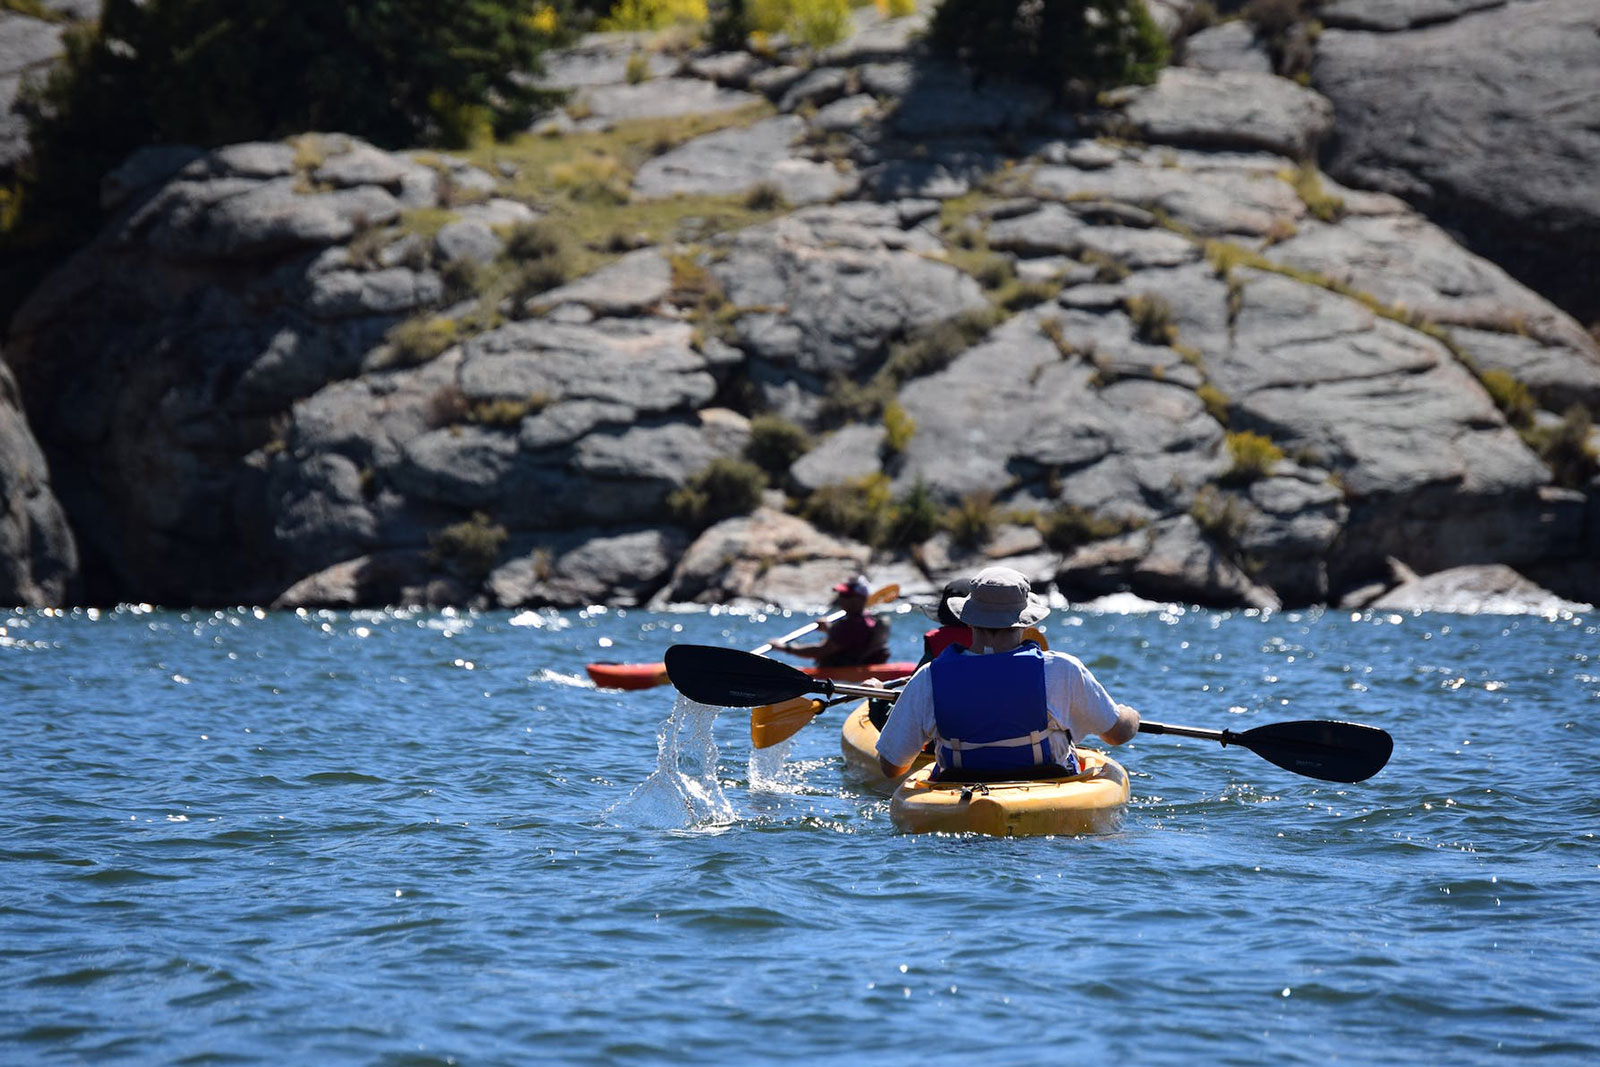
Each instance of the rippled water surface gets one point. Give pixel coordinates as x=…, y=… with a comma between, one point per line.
x=412, y=838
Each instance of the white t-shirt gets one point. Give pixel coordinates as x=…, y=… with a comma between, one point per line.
x=1076, y=702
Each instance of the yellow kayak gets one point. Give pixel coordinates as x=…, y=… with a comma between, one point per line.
x=858, y=742
x=1088, y=803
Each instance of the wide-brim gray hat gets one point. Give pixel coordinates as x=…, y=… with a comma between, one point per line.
x=1001, y=598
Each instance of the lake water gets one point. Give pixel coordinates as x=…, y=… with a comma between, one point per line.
x=423, y=838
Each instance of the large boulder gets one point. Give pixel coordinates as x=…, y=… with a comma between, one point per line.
x=820, y=293
x=1493, y=589
x=1170, y=561
x=38, y=556
x=1233, y=109
x=1496, y=105
x=767, y=557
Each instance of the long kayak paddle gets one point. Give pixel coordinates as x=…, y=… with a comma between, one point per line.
x=1317, y=748
x=1326, y=749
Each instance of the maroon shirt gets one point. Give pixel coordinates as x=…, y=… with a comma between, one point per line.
x=853, y=640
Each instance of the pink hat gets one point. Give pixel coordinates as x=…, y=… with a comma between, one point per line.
x=856, y=586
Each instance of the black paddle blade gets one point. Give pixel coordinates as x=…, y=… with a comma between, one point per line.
x=1331, y=751
x=733, y=678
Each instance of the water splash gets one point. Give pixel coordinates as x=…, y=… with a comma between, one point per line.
x=683, y=792
x=770, y=771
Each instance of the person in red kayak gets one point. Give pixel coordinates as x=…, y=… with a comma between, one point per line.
x=1004, y=707
x=853, y=640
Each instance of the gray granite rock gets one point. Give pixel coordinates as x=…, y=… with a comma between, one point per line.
x=382, y=578
x=842, y=116
x=1021, y=410
x=840, y=458
x=38, y=554
x=239, y=218
x=392, y=291
x=1228, y=46
x=590, y=566
x=1228, y=109
x=602, y=59
x=820, y=290
x=1221, y=196
x=645, y=364
x=1397, y=14
x=634, y=284
x=738, y=160
x=661, y=98
x=470, y=241
x=1498, y=140
x=1493, y=589
x=820, y=86
x=731, y=69
x=1169, y=561
x=764, y=558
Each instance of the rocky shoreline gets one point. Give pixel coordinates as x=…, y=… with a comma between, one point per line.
x=1151, y=348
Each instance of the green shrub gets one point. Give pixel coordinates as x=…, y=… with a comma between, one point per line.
x=468, y=549
x=995, y=271
x=635, y=15
x=1152, y=319
x=860, y=509
x=898, y=428
x=1219, y=515
x=1510, y=396
x=594, y=178
x=1024, y=295
x=817, y=23
x=1253, y=457
x=1067, y=526
x=1064, y=45
x=775, y=443
x=506, y=412
x=1307, y=182
x=537, y=276
x=972, y=521
x=418, y=341
x=1566, y=449
x=535, y=240
x=727, y=487
x=695, y=288
x=765, y=196
x=929, y=350
x=913, y=519
x=848, y=400
x=400, y=73
x=1215, y=400
x=465, y=278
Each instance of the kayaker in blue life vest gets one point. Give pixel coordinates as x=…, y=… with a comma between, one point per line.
x=1003, y=707
x=853, y=640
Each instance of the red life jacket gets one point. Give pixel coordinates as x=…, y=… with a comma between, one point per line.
x=937, y=640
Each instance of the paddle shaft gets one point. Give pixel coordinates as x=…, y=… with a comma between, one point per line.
x=888, y=592
x=1222, y=737
x=828, y=619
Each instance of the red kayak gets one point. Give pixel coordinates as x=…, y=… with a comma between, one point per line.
x=650, y=675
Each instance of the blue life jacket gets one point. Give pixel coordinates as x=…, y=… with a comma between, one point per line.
x=992, y=714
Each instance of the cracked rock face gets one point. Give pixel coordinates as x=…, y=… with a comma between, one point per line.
x=1496, y=104
x=263, y=359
